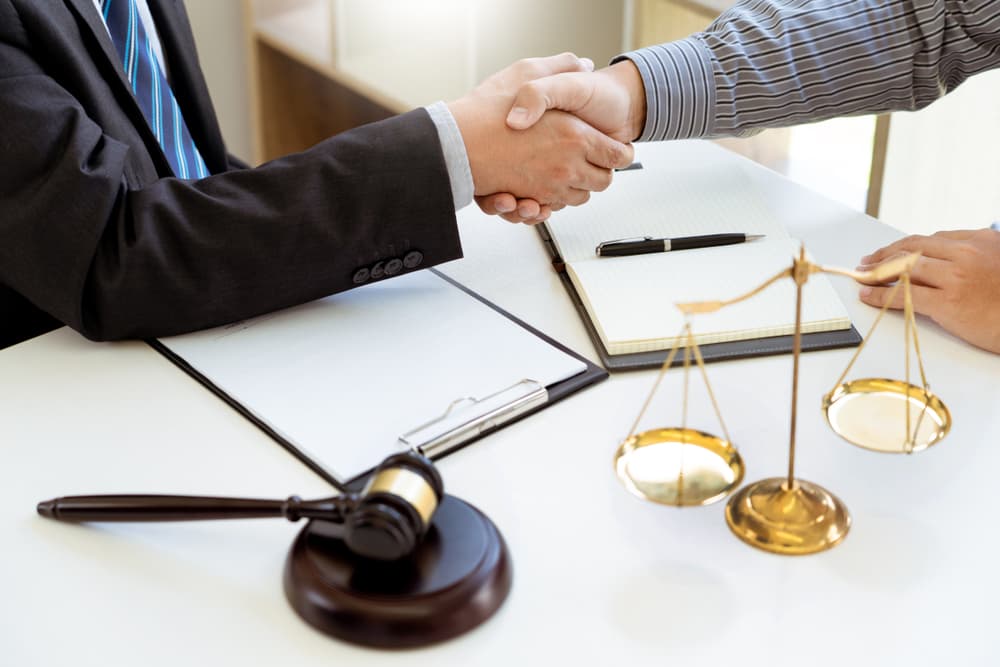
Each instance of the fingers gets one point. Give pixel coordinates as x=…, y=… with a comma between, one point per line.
x=956, y=234
x=608, y=153
x=536, y=68
x=581, y=159
x=500, y=203
x=569, y=92
x=528, y=209
x=960, y=293
x=509, y=208
x=926, y=300
x=589, y=178
x=929, y=271
x=558, y=162
x=940, y=247
x=933, y=245
x=530, y=212
x=544, y=214
x=576, y=197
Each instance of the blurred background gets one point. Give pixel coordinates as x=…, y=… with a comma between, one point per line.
x=285, y=74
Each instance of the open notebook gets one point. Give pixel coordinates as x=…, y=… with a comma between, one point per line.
x=629, y=301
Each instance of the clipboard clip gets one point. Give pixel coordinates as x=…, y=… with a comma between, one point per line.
x=467, y=418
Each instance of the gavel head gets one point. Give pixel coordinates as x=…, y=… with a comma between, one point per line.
x=395, y=508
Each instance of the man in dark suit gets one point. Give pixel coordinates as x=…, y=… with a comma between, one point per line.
x=97, y=230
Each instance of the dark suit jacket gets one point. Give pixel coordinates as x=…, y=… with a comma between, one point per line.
x=97, y=234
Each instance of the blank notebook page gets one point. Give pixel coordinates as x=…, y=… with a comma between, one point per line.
x=664, y=199
x=631, y=299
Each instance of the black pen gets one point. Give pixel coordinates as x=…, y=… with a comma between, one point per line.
x=647, y=244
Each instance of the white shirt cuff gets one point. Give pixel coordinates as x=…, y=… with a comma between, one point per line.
x=455, y=158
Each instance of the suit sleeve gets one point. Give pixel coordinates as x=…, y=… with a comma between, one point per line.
x=85, y=243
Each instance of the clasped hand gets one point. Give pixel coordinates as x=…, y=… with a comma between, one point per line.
x=567, y=128
x=525, y=172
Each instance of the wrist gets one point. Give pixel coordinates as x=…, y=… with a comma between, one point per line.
x=467, y=114
x=626, y=76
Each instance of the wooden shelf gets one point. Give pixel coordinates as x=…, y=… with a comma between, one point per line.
x=305, y=35
x=302, y=33
x=299, y=95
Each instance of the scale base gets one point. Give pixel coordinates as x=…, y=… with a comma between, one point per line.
x=802, y=519
x=457, y=578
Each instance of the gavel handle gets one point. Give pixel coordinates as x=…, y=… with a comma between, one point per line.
x=120, y=508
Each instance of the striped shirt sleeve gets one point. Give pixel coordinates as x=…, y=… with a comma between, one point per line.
x=772, y=63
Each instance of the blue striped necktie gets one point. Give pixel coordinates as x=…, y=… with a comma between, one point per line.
x=151, y=88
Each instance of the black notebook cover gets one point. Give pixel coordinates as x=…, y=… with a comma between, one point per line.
x=755, y=347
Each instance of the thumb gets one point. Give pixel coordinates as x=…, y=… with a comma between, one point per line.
x=568, y=92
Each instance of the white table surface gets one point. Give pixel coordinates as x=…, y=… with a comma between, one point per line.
x=600, y=577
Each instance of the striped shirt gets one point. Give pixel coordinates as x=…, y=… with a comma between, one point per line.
x=772, y=63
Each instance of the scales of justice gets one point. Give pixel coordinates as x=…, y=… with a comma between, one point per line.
x=681, y=466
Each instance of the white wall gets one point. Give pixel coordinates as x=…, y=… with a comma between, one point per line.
x=419, y=51
x=219, y=34
x=596, y=31
x=943, y=162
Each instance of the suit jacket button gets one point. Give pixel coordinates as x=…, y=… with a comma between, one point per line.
x=413, y=259
x=393, y=266
x=361, y=276
x=378, y=271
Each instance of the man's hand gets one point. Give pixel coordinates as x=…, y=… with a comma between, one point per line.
x=512, y=209
x=956, y=282
x=559, y=161
x=613, y=100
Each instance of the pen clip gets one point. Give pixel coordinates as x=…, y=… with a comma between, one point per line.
x=466, y=418
x=634, y=239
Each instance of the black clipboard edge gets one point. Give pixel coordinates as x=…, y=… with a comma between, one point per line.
x=556, y=392
x=757, y=347
x=246, y=413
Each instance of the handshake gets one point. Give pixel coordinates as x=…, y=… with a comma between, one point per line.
x=546, y=132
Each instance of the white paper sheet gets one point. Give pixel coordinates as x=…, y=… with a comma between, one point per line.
x=345, y=376
x=631, y=299
x=665, y=199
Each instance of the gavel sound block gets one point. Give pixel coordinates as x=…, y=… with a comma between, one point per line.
x=455, y=579
x=398, y=565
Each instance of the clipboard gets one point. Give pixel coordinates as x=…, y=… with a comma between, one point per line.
x=755, y=347
x=458, y=422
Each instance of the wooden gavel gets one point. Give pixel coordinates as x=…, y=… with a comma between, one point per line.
x=385, y=521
